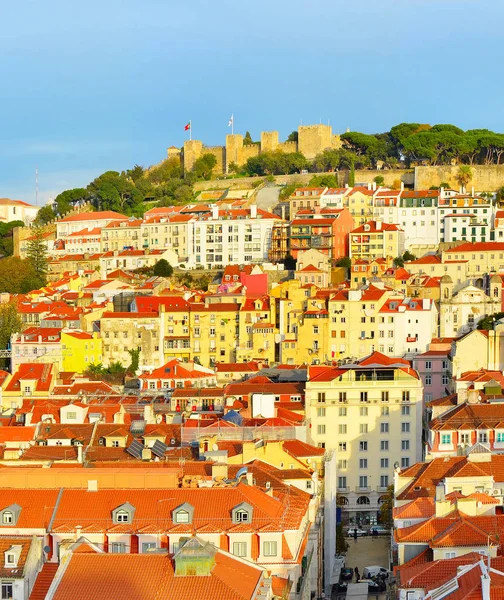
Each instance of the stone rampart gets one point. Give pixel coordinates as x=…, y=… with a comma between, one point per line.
x=485, y=178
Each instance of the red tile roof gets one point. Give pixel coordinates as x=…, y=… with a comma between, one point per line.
x=94, y=216
x=41, y=373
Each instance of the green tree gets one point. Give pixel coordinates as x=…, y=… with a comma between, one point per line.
x=408, y=256
x=163, y=268
x=487, y=323
x=341, y=543
x=247, y=140
x=6, y=242
x=136, y=173
x=17, y=276
x=234, y=168
x=398, y=262
x=290, y=262
x=114, y=191
x=288, y=190
x=464, y=175
x=379, y=180
x=135, y=360
x=45, y=215
x=345, y=262
x=204, y=166
x=330, y=181
x=36, y=254
x=10, y=323
x=293, y=136
x=65, y=201
x=386, y=508
x=166, y=170
x=351, y=175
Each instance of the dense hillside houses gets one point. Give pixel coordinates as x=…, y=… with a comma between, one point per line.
x=212, y=428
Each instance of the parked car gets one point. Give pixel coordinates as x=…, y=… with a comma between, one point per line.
x=346, y=573
x=374, y=571
x=379, y=530
x=340, y=587
x=360, y=532
x=374, y=586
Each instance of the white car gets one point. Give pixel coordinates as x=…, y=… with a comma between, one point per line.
x=373, y=571
x=360, y=532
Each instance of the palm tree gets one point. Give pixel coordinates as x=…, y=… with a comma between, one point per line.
x=464, y=175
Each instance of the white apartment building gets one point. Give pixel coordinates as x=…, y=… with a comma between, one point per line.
x=465, y=227
x=86, y=240
x=370, y=414
x=241, y=236
x=17, y=210
x=86, y=220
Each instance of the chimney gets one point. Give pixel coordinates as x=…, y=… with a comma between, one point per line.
x=472, y=191
x=250, y=479
x=146, y=454
x=402, y=186
x=219, y=471
x=215, y=211
x=253, y=211
x=369, y=186
x=378, y=225
x=440, y=492
x=283, y=212
x=79, y=454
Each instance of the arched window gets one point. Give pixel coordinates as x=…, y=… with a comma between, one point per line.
x=342, y=501
x=363, y=500
x=182, y=516
x=242, y=516
x=382, y=499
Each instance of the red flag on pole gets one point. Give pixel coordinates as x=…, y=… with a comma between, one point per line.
x=188, y=126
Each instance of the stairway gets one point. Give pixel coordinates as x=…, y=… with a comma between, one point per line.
x=43, y=581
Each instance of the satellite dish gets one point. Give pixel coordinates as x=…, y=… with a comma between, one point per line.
x=47, y=549
x=396, y=465
x=215, y=448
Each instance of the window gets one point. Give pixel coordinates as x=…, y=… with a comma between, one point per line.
x=320, y=412
x=405, y=396
x=270, y=548
x=450, y=554
x=342, y=428
x=384, y=411
x=321, y=397
x=241, y=516
x=405, y=411
x=71, y=415
x=500, y=437
x=363, y=396
x=342, y=446
x=122, y=516
x=115, y=443
x=405, y=445
x=465, y=438
x=446, y=438
x=404, y=463
x=342, y=397
x=384, y=463
x=483, y=437
x=363, y=411
x=146, y=546
x=321, y=429
x=428, y=365
x=182, y=516
x=363, y=481
x=405, y=427
x=7, y=590
x=342, y=463
x=384, y=396
x=445, y=379
x=240, y=548
x=342, y=482
x=384, y=481
x=384, y=446
x=363, y=446
x=363, y=428
x=362, y=463
x=7, y=518
x=342, y=411
x=118, y=548
x=428, y=380
x=384, y=427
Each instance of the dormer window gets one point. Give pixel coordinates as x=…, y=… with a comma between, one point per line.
x=183, y=514
x=123, y=513
x=242, y=513
x=7, y=518
x=10, y=559
x=10, y=515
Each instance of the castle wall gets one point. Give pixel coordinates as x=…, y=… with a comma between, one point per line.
x=234, y=150
x=485, y=178
x=220, y=153
x=288, y=147
x=192, y=151
x=250, y=151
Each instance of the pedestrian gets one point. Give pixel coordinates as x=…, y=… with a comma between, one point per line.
x=355, y=534
x=357, y=574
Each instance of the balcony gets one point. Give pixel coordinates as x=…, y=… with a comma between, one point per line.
x=382, y=488
x=343, y=490
x=362, y=489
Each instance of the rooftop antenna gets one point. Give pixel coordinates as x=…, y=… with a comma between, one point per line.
x=36, y=186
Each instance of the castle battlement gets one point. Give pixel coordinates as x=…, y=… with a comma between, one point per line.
x=312, y=139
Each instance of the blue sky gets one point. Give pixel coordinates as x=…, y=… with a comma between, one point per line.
x=91, y=86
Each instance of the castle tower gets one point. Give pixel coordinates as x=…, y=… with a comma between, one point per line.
x=192, y=151
x=313, y=139
x=173, y=152
x=234, y=150
x=269, y=141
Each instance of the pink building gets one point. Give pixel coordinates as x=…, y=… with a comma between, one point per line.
x=433, y=368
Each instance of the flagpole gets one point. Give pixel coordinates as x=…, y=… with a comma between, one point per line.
x=190, y=129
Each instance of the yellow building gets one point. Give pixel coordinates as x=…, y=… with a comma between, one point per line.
x=82, y=349
x=172, y=232
x=376, y=239
x=257, y=329
x=359, y=202
x=120, y=235
x=370, y=413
